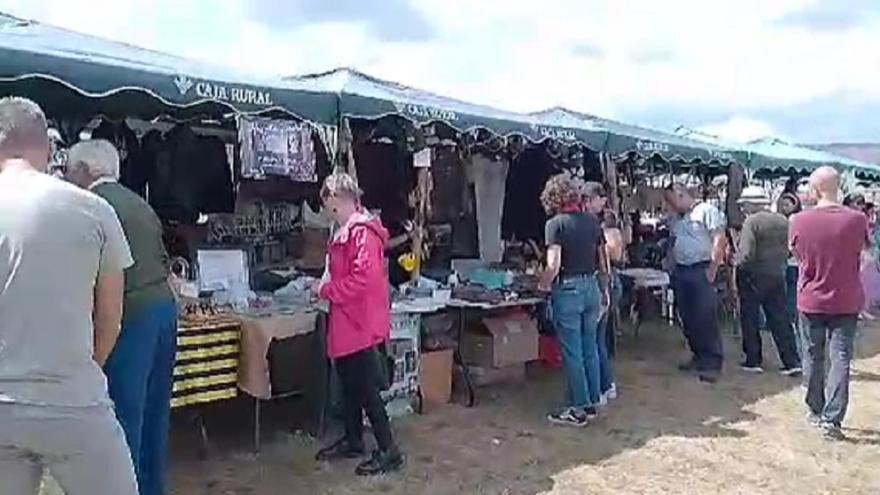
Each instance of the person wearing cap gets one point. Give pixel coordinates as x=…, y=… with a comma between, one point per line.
x=760, y=280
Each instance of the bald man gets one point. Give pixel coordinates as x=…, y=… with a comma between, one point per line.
x=827, y=242
x=62, y=257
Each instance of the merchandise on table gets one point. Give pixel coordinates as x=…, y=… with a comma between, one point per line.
x=206, y=365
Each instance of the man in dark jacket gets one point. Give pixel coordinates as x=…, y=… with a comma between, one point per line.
x=763, y=254
x=139, y=370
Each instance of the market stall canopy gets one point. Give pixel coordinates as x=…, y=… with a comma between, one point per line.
x=363, y=96
x=624, y=139
x=35, y=58
x=777, y=155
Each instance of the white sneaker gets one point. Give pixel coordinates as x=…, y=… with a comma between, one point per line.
x=612, y=392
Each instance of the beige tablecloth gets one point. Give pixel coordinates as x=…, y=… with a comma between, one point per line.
x=257, y=333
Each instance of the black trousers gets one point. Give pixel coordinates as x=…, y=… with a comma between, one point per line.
x=697, y=301
x=361, y=381
x=767, y=291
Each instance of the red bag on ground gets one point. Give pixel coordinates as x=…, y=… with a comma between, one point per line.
x=548, y=352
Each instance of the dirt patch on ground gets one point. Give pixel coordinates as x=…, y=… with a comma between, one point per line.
x=666, y=433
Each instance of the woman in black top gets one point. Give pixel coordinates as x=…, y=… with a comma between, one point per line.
x=574, y=254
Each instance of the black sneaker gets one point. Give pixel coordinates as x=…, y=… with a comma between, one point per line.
x=591, y=412
x=751, y=367
x=341, y=449
x=792, y=371
x=381, y=463
x=569, y=417
x=708, y=376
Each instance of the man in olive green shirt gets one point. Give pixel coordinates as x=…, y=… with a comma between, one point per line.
x=139, y=370
x=761, y=264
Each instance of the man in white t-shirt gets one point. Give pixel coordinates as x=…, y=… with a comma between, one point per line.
x=62, y=256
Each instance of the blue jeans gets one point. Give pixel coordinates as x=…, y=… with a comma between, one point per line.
x=791, y=279
x=605, y=337
x=139, y=377
x=831, y=335
x=697, y=303
x=576, y=303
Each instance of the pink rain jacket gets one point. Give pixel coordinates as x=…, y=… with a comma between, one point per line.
x=358, y=287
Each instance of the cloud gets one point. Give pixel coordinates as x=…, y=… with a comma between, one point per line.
x=389, y=20
x=652, y=56
x=663, y=64
x=831, y=15
x=587, y=50
x=740, y=129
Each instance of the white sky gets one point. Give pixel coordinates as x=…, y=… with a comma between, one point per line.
x=805, y=70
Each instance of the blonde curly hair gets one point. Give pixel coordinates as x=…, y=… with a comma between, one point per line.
x=340, y=184
x=560, y=191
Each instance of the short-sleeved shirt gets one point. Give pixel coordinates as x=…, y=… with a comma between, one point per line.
x=827, y=243
x=55, y=241
x=693, y=233
x=579, y=235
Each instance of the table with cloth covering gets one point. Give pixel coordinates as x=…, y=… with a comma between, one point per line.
x=255, y=378
x=218, y=355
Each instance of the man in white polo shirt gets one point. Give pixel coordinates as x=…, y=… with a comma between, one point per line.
x=62, y=256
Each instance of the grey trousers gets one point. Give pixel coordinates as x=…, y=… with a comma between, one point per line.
x=84, y=449
x=831, y=335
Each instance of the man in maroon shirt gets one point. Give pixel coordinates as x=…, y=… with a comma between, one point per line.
x=827, y=241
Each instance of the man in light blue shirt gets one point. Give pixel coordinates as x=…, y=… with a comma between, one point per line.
x=698, y=246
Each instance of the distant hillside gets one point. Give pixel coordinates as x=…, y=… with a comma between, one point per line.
x=865, y=152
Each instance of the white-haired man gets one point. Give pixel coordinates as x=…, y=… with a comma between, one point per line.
x=139, y=369
x=762, y=260
x=62, y=256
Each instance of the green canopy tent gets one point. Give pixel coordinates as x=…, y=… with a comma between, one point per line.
x=80, y=74
x=366, y=97
x=626, y=139
x=776, y=155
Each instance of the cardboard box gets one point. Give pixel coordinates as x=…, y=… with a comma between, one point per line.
x=501, y=341
x=435, y=377
x=514, y=374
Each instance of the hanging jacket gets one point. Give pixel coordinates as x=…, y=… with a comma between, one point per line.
x=214, y=188
x=357, y=288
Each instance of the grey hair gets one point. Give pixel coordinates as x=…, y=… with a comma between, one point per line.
x=593, y=190
x=340, y=184
x=23, y=127
x=99, y=156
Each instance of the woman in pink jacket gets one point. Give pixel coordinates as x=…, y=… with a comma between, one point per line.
x=358, y=292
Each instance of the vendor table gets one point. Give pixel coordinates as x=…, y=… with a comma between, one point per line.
x=463, y=307
x=206, y=365
x=258, y=332
x=656, y=283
